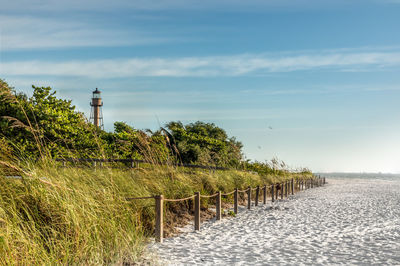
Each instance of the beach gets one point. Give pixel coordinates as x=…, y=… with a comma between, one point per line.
x=347, y=221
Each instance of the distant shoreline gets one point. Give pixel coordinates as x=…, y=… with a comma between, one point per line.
x=359, y=175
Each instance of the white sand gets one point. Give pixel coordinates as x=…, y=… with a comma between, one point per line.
x=349, y=221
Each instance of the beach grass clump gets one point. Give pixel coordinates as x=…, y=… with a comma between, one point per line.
x=78, y=215
x=47, y=219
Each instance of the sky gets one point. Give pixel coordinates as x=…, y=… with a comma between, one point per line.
x=315, y=83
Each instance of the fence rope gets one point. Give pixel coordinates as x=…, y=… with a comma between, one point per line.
x=227, y=194
x=202, y=196
x=209, y=196
x=175, y=200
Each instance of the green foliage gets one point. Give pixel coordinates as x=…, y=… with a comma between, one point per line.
x=205, y=143
x=44, y=125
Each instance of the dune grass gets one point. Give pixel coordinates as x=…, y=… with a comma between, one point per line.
x=80, y=215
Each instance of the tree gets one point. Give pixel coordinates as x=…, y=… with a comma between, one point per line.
x=205, y=143
x=44, y=125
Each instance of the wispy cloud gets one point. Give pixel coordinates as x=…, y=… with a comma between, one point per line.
x=28, y=32
x=235, y=65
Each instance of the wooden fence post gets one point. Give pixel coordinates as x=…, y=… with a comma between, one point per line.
x=197, y=211
x=272, y=192
x=277, y=191
x=265, y=194
x=324, y=181
x=159, y=218
x=249, y=198
x=281, y=190
x=292, y=183
x=218, y=206
x=286, y=188
x=257, y=194
x=235, y=201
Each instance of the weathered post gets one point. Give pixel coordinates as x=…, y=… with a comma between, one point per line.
x=292, y=186
x=63, y=163
x=277, y=188
x=257, y=194
x=286, y=188
x=324, y=181
x=94, y=163
x=197, y=211
x=249, y=198
x=272, y=192
x=265, y=194
x=235, y=201
x=218, y=205
x=159, y=218
x=132, y=163
x=281, y=190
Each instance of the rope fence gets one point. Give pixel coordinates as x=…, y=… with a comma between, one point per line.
x=176, y=200
x=209, y=196
x=285, y=188
x=227, y=194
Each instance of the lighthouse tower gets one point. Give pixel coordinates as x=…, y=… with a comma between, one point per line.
x=96, y=114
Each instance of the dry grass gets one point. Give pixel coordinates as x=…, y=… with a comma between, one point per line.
x=79, y=215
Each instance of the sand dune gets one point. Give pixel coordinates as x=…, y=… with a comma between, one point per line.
x=349, y=221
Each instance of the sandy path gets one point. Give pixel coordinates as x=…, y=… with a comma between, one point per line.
x=349, y=221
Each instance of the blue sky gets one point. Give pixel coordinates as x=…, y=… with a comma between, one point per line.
x=324, y=75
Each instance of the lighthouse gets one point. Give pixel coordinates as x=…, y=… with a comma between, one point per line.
x=96, y=114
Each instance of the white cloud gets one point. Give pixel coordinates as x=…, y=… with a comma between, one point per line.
x=27, y=32
x=235, y=65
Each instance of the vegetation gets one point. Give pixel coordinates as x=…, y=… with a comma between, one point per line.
x=80, y=215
